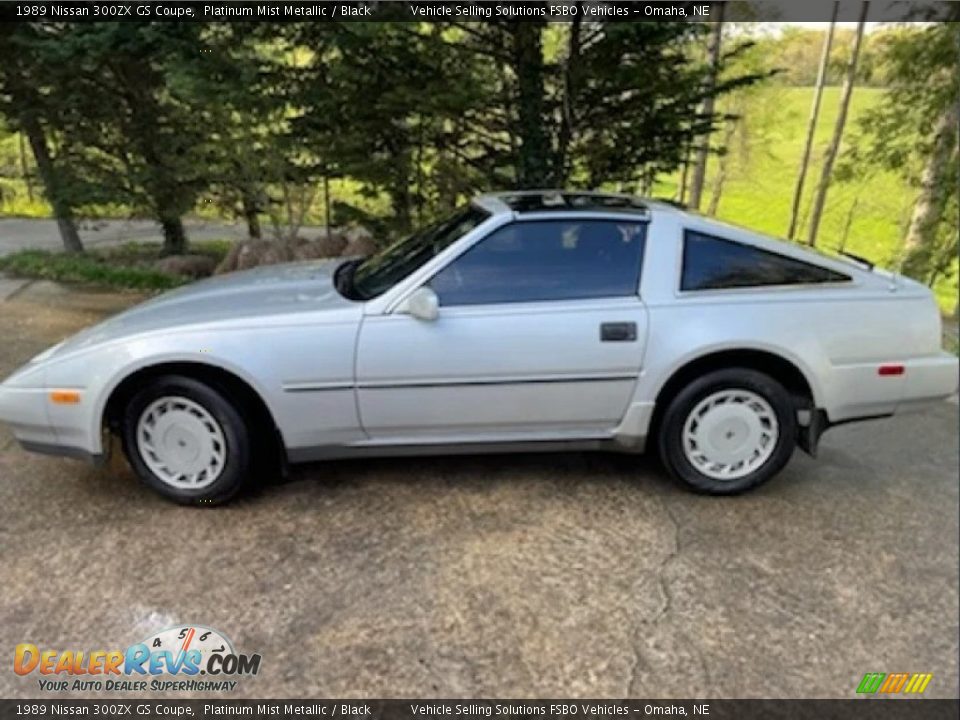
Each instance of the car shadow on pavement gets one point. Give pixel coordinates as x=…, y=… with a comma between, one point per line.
x=489, y=468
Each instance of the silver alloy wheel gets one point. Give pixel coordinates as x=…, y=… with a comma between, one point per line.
x=181, y=443
x=730, y=433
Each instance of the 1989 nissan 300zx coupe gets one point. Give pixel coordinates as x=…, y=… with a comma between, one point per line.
x=525, y=321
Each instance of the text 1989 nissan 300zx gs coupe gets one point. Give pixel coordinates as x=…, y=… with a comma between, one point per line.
x=526, y=321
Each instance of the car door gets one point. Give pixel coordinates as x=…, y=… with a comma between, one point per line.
x=539, y=335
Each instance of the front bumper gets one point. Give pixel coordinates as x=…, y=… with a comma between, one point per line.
x=25, y=411
x=41, y=427
x=63, y=451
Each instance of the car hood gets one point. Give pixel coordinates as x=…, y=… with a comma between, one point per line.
x=263, y=292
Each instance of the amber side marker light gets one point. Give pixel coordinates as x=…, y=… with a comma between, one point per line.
x=65, y=397
x=886, y=370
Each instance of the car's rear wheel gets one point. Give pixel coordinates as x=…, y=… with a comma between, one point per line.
x=187, y=441
x=728, y=431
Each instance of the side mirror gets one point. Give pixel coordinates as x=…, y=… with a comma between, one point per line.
x=423, y=304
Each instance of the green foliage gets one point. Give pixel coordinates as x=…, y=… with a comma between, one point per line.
x=923, y=66
x=388, y=104
x=952, y=344
x=404, y=120
x=252, y=119
x=795, y=52
x=913, y=131
x=126, y=267
x=86, y=269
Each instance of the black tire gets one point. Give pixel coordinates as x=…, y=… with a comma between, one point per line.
x=670, y=438
x=236, y=470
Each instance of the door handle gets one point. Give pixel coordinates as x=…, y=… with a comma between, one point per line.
x=618, y=332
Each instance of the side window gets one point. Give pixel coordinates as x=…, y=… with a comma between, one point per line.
x=546, y=260
x=710, y=263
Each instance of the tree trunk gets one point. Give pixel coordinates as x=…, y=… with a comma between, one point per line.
x=570, y=70
x=251, y=215
x=848, y=223
x=700, y=163
x=812, y=123
x=51, y=182
x=684, y=173
x=399, y=192
x=717, y=191
x=25, y=166
x=174, y=236
x=929, y=205
x=533, y=165
x=820, y=197
x=722, y=165
x=326, y=205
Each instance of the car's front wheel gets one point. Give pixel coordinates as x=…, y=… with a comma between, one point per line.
x=186, y=440
x=728, y=431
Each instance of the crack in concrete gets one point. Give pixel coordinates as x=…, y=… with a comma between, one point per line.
x=640, y=662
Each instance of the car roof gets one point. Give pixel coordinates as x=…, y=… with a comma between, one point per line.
x=546, y=201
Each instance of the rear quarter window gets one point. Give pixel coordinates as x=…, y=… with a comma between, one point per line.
x=712, y=263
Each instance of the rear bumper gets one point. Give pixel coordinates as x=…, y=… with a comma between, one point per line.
x=928, y=380
x=860, y=391
x=863, y=394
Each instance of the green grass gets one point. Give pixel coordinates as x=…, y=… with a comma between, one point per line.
x=125, y=267
x=137, y=253
x=762, y=172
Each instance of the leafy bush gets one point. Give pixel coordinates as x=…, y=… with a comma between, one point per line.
x=129, y=266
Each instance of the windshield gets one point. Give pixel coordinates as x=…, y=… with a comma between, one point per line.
x=380, y=272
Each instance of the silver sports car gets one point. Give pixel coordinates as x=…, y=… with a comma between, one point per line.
x=525, y=321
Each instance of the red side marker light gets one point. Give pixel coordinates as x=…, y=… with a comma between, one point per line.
x=885, y=370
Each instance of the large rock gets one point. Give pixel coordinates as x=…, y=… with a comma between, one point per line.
x=192, y=266
x=331, y=246
x=229, y=262
x=359, y=243
x=254, y=253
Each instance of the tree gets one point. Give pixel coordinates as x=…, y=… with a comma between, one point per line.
x=23, y=100
x=928, y=209
x=617, y=102
x=913, y=131
x=155, y=117
x=128, y=131
x=722, y=167
x=812, y=123
x=748, y=128
x=700, y=160
x=641, y=101
x=242, y=81
x=820, y=195
x=426, y=93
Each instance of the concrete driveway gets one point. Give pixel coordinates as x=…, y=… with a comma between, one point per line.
x=510, y=576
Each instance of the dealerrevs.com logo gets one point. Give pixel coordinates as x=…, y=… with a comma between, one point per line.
x=182, y=658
